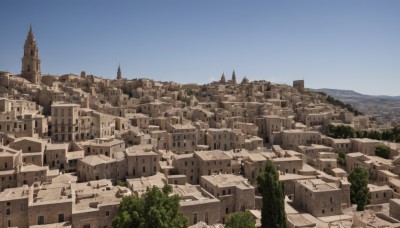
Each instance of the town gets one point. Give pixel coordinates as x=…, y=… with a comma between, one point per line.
x=73, y=146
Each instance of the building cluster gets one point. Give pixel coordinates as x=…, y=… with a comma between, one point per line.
x=73, y=145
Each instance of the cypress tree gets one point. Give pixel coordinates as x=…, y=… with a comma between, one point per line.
x=359, y=191
x=273, y=211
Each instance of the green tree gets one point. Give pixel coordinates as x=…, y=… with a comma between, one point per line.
x=382, y=151
x=273, y=211
x=342, y=158
x=240, y=220
x=359, y=192
x=154, y=209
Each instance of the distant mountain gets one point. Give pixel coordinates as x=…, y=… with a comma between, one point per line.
x=383, y=108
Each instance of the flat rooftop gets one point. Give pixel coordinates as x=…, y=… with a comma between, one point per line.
x=318, y=185
x=228, y=180
x=211, y=155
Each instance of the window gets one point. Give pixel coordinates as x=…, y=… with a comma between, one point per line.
x=206, y=217
x=107, y=213
x=8, y=211
x=60, y=217
x=226, y=210
x=194, y=218
x=144, y=169
x=86, y=226
x=323, y=211
x=41, y=220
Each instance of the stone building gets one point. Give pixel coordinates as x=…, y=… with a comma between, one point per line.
x=61, y=203
x=183, y=138
x=318, y=197
x=63, y=156
x=32, y=149
x=197, y=205
x=141, y=161
x=187, y=165
x=107, y=147
x=234, y=192
x=10, y=159
x=293, y=138
x=212, y=162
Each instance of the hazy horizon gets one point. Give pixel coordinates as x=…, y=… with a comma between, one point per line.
x=350, y=45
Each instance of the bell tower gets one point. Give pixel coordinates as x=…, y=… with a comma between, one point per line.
x=119, y=74
x=30, y=61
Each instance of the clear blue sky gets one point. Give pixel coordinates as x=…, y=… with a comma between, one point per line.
x=339, y=44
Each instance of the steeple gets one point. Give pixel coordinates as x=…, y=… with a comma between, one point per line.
x=119, y=74
x=233, y=77
x=223, y=80
x=30, y=61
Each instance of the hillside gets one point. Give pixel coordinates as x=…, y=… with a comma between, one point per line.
x=383, y=108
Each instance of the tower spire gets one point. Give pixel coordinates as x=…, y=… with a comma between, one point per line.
x=30, y=61
x=119, y=74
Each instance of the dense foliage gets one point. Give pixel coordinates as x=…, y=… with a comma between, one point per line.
x=359, y=192
x=382, y=151
x=345, y=131
x=341, y=131
x=342, y=158
x=273, y=211
x=154, y=209
x=392, y=135
x=241, y=220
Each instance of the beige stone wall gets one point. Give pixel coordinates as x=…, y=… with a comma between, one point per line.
x=379, y=196
x=142, y=165
x=188, y=166
x=28, y=178
x=50, y=211
x=18, y=212
x=318, y=203
x=207, y=212
x=86, y=172
x=394, y=208
x=96, y=218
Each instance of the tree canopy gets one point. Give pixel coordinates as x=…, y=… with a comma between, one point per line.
x=240, y=220
x=341, y=131
x=382, y=151
x=273, y=211
x=155, y=208
x=359, y=192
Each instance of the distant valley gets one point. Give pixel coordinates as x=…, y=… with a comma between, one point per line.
x=383, y=108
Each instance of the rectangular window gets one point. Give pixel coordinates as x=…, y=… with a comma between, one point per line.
x=194, y=218
x=8, y=211
x=60, y=217
x=41, y=220
x=107, y=213
x=206, y=217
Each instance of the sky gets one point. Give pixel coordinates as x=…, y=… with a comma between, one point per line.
x=339, y=44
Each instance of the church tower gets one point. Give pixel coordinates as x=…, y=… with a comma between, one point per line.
x=30, y=61
x=119, y=74
x=234, y=77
